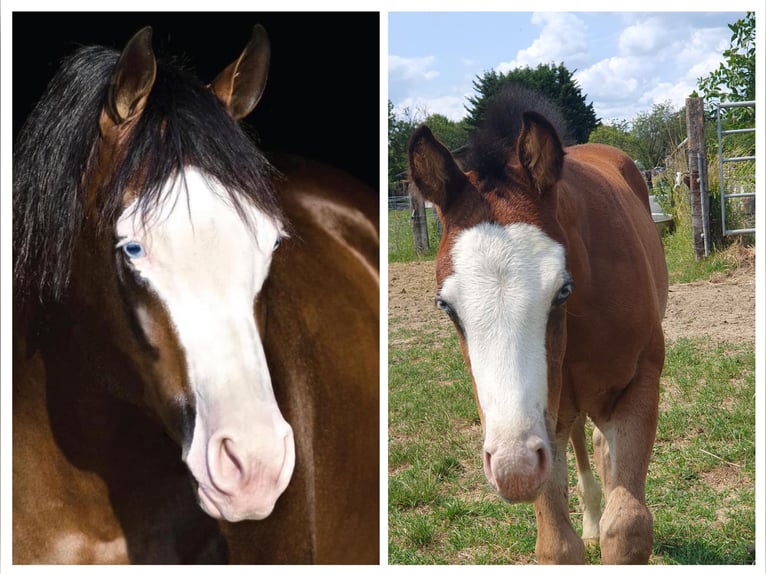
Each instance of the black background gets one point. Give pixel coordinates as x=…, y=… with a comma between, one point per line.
x=322, y=98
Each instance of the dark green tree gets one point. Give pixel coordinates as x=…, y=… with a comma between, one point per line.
x=554, y=82
x=401, y=126
x=399, y=131
x=452, y=134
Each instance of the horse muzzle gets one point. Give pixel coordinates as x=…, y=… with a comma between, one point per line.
x=241, y=473
x=518, y=469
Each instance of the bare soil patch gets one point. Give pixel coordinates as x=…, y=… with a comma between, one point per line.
x=722, y=308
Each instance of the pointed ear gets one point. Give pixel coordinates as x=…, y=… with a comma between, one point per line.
x=240, y=86
x=132, y=79
x=540, y=151
x=433, y=169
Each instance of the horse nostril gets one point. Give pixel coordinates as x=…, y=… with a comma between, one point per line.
x=227, y=469
x=488, y=465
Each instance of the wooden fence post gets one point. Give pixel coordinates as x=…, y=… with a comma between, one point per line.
x=419, y=220
x=696, y=156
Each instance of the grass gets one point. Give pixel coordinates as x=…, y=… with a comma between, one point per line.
x=401, y=246
x=682, y=264
x=700, y=486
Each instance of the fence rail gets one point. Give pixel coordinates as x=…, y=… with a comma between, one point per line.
x=723, y=160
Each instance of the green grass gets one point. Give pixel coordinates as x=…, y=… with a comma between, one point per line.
x=680, y=258
x=700, y=486
x=401, y=246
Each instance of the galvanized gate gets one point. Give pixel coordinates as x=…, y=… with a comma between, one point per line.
x=722, y=176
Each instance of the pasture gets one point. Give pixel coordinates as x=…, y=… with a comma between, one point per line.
x=701, y=481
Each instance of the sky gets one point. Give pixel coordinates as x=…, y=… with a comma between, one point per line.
x=625, y=62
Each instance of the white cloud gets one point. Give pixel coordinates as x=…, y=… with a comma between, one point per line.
x=644, y=38
x=406, y=75
x=452, y=106
x=625, y=64
x=563, y=38
x=702, y=52
x=615, y=77
x=662, y=92
x=659, y=58
x=400, y=68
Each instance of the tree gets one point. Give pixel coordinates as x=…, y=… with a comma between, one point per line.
x=616, y=134
x=452, y=134
x=399, y=132
x=554, y=82
x=657, y=133
x=734, y=80
x=400, y=127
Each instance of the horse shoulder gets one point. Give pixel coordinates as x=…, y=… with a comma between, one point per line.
x=50, y=494
x=322, y=340
x=614, y=250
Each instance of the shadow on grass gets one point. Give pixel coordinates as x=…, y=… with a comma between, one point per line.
x=702, y=552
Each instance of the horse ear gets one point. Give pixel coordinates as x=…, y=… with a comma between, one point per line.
x=540, y=151
x=433, y=169
x=133, y=78
x=240, y=86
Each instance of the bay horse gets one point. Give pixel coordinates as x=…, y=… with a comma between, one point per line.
x=184, y=392
x=554, y=276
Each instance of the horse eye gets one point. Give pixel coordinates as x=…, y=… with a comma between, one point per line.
x=277, y=243
x=564, y=293
x=442, y=304
x=133, y=249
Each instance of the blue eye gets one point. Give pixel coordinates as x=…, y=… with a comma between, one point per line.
x=277, y=243
x=133, y=249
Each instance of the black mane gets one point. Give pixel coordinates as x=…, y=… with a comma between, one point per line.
x=183, y=124
x=496, y=139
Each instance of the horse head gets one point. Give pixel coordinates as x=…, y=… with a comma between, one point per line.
x=187, y=246
x=502, y=278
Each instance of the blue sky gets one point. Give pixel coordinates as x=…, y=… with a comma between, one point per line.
x=625, y=61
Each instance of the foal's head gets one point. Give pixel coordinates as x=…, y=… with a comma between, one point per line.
x=502, y=278
x=177, y=221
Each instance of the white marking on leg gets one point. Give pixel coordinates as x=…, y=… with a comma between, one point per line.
x=590, y=496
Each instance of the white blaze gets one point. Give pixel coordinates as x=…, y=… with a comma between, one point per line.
x=207, y=266
x=503, y=283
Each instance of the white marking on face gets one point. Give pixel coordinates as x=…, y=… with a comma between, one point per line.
x=504, y=281
x=207, y=267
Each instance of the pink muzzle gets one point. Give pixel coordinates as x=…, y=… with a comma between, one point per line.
x=242, y=469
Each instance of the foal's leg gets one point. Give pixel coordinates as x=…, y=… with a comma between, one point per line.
x=557, y=541
x=587, y=487
x=623, y=453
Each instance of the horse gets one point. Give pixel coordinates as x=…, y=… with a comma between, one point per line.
x=554, y=276
x=196, y=327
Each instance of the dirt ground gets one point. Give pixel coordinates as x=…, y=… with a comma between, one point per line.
x=722, y=308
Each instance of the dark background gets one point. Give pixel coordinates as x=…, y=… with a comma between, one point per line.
x=322, y=96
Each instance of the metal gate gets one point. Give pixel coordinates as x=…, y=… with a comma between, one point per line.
x=723, y=160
